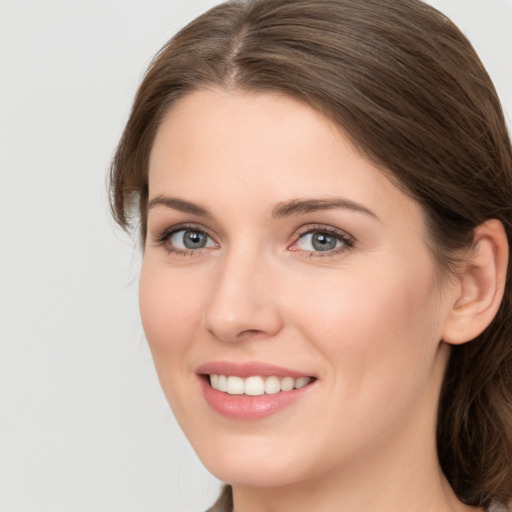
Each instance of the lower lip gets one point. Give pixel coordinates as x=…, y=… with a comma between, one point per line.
x=245, y=407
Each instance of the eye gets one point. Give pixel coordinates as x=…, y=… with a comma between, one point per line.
x=190, y=239
x=184, y=240
x=322, y=240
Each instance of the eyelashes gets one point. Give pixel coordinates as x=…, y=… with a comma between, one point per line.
x=185, y=240
x=320, y=241
x=317, y=240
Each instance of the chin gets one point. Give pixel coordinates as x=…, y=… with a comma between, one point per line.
x=247, y=472
x=256, y=460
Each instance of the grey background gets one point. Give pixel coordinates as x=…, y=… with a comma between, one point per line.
x=83, y=423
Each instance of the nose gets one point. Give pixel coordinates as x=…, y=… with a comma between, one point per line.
x=243, y=303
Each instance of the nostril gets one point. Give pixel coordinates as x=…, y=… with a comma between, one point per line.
x=249, y=333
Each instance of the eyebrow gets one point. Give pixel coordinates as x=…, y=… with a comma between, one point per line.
x=299, y=206
x=280, y=210
x=179, y=204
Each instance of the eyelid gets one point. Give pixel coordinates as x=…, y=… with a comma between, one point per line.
x=164, y=235
x=161, y=235
x=347, y=239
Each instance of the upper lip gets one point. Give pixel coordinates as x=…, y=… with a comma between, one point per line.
x=248, y=369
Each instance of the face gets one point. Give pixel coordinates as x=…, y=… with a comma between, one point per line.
x=287, y=294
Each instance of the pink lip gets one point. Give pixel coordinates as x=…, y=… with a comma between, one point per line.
x=244, y=407
x=248, y=370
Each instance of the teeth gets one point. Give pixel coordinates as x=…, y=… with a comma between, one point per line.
x=256, y=385
x=235, y=385
x=287, y=384
x=301, y=382
x=272, y=385
x=223, y=383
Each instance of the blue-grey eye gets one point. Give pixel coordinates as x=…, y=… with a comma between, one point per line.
x=319, y=241
x=188, y=239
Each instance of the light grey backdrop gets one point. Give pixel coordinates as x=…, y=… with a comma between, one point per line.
x=84, y=426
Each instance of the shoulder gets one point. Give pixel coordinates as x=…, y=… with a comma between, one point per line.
x=499, y=508
x=225, y=501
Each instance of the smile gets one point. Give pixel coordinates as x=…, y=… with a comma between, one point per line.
x=251, y=391
x=256, y=385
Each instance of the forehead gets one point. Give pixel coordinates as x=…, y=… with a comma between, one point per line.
x=242, y=147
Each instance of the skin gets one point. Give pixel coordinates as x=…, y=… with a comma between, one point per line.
x=366, y=321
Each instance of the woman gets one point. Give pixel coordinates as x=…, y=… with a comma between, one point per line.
x=324, y=194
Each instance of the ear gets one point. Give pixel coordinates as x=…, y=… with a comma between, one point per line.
x=481, y=284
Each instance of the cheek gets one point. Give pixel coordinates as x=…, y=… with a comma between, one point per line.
x=170, y=314
x=379, y=341
x=359, y=306
x=376, y=329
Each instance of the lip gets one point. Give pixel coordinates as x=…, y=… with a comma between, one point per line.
x=244, y=407
x=248, y=369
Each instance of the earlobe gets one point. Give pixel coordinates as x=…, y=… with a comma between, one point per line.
x=481, y=284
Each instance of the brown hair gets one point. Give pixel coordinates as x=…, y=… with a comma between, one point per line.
x=409, y=90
